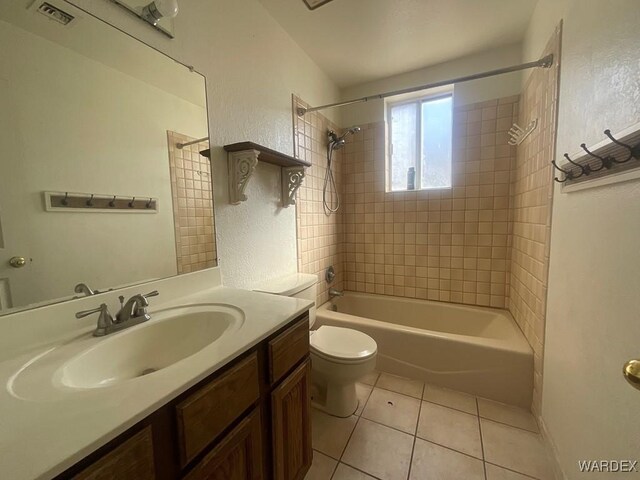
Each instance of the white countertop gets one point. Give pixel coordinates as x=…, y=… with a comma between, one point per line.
x=42, y=434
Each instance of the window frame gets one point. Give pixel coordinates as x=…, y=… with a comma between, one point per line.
x=418, y=100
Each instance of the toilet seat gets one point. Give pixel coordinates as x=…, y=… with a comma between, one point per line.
x=342, y=345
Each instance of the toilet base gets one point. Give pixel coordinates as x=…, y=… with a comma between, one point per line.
x=333, y=386
x=321, y=407
x=336, y=400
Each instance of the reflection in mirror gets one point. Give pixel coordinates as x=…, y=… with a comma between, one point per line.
x=93, y=187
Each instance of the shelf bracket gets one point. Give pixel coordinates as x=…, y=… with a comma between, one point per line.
x=241, y=167
x=291, y=181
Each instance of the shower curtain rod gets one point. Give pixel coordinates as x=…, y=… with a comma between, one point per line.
x=545, y=62
x=192, y=142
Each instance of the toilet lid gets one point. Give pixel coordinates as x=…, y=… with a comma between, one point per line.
x=343, y=344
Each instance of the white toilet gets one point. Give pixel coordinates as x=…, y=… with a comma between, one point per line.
x=339, y=356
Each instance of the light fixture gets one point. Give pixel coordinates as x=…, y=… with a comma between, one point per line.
x=158, y=9
x=313, y=4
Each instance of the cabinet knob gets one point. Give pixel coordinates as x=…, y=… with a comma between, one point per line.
x=18, y=262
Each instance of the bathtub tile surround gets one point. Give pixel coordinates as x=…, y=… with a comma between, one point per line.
x=192, y=198
x=531, y=197
x=498, y=443
x=484, y=242
x=448, y=245
x=320, y=236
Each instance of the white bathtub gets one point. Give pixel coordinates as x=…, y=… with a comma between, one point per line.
x=472, y=349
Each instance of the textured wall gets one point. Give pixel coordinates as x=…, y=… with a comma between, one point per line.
x=320, y=235
x=532, y=193
x=592, y=324
x=252, y=67
x=449, y=245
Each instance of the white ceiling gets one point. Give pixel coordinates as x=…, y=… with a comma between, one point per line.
x=356, y=41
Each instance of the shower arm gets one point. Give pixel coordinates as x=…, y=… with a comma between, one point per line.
x=545, y=62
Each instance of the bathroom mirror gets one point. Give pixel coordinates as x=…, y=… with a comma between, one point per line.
x=93, y=188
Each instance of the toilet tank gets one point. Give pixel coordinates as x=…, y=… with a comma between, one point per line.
x=297, y=285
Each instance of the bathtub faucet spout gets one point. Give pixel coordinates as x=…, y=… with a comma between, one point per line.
x=335, y=293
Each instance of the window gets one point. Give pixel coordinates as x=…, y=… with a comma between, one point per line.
x=420, y=132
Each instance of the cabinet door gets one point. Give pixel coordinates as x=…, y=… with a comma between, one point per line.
x=131, y=459
x=237, y=457
x=291, y=417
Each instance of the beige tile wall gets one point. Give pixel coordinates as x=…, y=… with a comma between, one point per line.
x=449, y=245
x=192, y=198
x=532, y=192
x=483, y=242
x=320, y=236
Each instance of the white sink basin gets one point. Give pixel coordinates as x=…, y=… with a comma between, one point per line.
x=85, y=363
x=171, y=336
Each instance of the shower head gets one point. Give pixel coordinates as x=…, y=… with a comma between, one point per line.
x=337, y=142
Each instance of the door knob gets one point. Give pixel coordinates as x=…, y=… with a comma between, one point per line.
x=18, y=262
x=631, y=372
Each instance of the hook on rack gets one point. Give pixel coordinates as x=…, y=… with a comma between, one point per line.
x=65, y=200
x=568, y=174
x=605, y=162
x=90, y=201
x=132, y=202
x=584, y=169
x=634, y=152
x=149, y=202
x=112, y=203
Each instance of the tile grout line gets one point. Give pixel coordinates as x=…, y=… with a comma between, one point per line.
x=400, y=393
x=508, y=425
x=354, y=429
x=415, y=431
x=484, y=463
x=512, y=470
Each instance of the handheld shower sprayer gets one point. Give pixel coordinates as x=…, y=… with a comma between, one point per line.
x=336, y=142
x=331, y=200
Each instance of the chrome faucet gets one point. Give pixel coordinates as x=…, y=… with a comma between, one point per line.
x=131, y=313
x=335, y=293
x=135, y=308
x=84, y=289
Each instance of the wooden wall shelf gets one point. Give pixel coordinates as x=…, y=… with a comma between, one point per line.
x=268, y=155
x=243, y=158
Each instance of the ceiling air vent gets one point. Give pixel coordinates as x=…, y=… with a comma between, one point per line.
x=54, y=13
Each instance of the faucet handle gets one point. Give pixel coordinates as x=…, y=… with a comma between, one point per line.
x=105, y=320
x=86, y=313
x=141, y=307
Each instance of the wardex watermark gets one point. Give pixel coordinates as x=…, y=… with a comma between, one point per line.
x=611, y=466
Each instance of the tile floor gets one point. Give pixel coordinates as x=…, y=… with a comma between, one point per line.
x=405, y=430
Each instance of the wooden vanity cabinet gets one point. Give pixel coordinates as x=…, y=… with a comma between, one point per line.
x=249, y=421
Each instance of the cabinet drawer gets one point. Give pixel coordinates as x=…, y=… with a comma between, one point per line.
x=287, y=349
x=238, y=456
x=207, y=412
x=131, y=459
